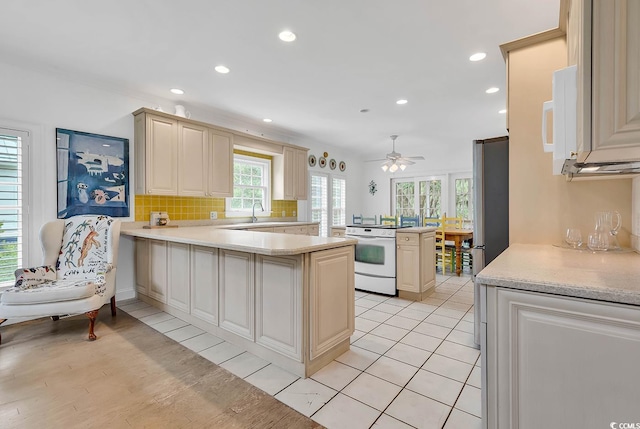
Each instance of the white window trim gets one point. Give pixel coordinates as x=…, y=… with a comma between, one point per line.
x=25, y=137
x=267, y=204
x=452, y=197
x=444, y=197
x=330, y=177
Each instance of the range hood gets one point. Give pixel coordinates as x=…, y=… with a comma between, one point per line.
x=573, y=169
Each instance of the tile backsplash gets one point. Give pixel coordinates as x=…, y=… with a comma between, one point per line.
x=198, y=208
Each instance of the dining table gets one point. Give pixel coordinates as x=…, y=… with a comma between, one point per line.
x=458, y=236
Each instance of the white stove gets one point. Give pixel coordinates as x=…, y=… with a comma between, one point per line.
x=375, y=263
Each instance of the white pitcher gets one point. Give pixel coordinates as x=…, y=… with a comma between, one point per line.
x=182, y=112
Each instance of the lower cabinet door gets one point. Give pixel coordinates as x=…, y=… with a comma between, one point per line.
x=204, y=283
x=563, y=362
x=142, y=265
x=331, y=298
x=408, y=268
x=279, y=304
x=158, y=270
x=237, y=293
x=178, y=275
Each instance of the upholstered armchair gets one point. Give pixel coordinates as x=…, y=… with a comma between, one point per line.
x=78, y=274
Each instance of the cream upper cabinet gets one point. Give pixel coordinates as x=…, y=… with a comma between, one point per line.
x=156, y=143
x=193, y=160
x=220, y=164
x=290, y=174
x=603, y=39
x=181, y=157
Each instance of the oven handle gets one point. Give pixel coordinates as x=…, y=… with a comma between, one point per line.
x=359, y=237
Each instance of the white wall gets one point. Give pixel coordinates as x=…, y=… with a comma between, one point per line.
x=440, y=162
x=41, y=101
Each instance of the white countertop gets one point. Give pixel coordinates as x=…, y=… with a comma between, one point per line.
x=265, y=243
x=613, y=277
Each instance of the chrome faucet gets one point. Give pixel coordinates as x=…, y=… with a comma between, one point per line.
x=254, y=219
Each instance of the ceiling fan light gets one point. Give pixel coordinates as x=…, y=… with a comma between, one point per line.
x=393, y=168
x=385, y=167
x=402, y=167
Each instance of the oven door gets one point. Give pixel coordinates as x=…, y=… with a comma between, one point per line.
x=376, y=256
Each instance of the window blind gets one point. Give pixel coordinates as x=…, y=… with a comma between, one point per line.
x=11, y=205
x=320, y=202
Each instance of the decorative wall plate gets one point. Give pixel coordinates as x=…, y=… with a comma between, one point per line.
x=322, y=162
x=332, y=164
x=312, y=160
x=342, y=166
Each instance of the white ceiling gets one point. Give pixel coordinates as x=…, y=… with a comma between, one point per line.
x=349, y=55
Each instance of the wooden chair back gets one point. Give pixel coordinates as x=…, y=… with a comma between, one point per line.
x=409, y=221
x=370, y=220
x=388, y=220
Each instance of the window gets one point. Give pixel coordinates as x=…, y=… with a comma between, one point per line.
x=464, y=204
x=251, y=185
x=421, y=196
x=328, y=204
x=13, y=151
x=339, y=200
x=319, y=200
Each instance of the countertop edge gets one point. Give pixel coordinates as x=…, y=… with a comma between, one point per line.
x=616, y=296
x=156, y=234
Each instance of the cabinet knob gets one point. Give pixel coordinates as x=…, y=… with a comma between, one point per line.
x=406, y=239
x=398, y=247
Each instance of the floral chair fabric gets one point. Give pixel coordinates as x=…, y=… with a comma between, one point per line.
x=77, y=276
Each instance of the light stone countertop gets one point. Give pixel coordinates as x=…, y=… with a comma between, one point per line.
x=612, y=277
x=265, y=243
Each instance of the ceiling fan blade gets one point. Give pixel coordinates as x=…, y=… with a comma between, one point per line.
x=376, y=160
x=421, y=158
x=404, y=161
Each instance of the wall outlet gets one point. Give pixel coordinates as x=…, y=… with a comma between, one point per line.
x=213, y=215
x=284, y=213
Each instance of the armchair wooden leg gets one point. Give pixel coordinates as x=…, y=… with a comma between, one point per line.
x=55, y=318
x=113, y=305
x=92, y=320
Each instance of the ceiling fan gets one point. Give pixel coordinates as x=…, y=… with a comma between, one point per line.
x=395, y=160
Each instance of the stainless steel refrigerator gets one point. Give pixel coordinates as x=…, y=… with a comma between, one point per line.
x=491, y=209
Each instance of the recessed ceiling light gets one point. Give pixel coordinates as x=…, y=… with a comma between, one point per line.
x=222, y=69
x=287, y=36
x=177, y=91
x=492, y=90
x=267, y=120
x=402, y=101
x=478, y=56
x=502, y=111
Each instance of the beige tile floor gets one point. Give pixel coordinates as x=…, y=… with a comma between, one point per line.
x=411, y=364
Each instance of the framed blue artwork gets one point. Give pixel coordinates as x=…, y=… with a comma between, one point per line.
x=92, y=173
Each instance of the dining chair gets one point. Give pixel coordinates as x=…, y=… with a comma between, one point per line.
x=445, y=255
x=357, y=219
x=388, y=220
x=370, y=220
x=78, y=273
x=431, y=221
x=409, y=221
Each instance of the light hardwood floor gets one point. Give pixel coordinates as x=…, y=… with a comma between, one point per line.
x=131, y=377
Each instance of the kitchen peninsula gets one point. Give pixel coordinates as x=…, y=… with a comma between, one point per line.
x=286, y=298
